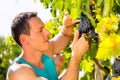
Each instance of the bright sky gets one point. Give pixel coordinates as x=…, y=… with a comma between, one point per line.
x=9, y=9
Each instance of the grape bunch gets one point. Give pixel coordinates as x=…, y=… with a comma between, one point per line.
x=108, y=77
x=115, y=69
x=86, y=27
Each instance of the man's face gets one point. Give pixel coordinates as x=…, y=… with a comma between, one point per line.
x=39, y=35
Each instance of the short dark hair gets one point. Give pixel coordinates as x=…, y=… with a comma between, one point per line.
x=20, y=25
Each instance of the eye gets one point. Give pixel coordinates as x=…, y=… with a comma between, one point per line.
x=40, y=30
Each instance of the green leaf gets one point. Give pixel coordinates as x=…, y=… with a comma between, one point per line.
x=87, y=65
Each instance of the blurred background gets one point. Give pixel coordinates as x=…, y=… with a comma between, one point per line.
x=9, y=9
x=101, y=62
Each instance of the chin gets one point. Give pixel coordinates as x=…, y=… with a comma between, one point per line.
x=47, y=47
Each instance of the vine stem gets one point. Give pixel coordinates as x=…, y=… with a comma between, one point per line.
x=97, y=62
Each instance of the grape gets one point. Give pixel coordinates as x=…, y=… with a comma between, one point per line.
x=116, y=68
x=108, y=77
x=86, y=27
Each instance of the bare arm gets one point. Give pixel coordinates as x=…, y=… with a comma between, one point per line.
x=79, y=47
x=60, y=41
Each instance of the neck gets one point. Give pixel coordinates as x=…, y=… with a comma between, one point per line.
x=33, y=58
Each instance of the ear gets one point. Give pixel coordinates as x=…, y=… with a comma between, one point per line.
x=23, y=39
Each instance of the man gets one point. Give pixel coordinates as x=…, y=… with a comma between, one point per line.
x=36, y=60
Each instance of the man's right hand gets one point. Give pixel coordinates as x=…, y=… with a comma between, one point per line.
x=79, y=46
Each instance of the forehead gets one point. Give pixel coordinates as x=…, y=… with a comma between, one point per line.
x=35, y=22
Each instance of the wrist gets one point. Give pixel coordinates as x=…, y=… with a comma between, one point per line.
x=67, y=32
x=76, y=59
x=76, y=56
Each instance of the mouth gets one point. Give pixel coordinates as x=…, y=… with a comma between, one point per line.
x=46, y=40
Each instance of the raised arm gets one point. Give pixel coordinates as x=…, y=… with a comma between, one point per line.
x=61, y=40
x=79, y=48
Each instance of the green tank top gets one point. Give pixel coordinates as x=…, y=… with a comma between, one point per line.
x=49, y=70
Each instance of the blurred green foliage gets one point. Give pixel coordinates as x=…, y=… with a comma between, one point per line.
x=106, y=13
x=9, y=50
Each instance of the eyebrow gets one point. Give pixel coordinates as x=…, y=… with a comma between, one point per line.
x=37, y=29
x=41, y=27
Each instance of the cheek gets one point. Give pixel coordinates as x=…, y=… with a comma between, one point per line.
x=36, y=40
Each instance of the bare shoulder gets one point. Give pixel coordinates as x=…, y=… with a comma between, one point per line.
x=21, y=72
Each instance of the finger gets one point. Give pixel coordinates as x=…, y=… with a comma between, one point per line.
x=76, y=21
x=83, y=35
x=76, y=36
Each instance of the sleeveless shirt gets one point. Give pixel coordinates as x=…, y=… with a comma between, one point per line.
x=49, y=70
